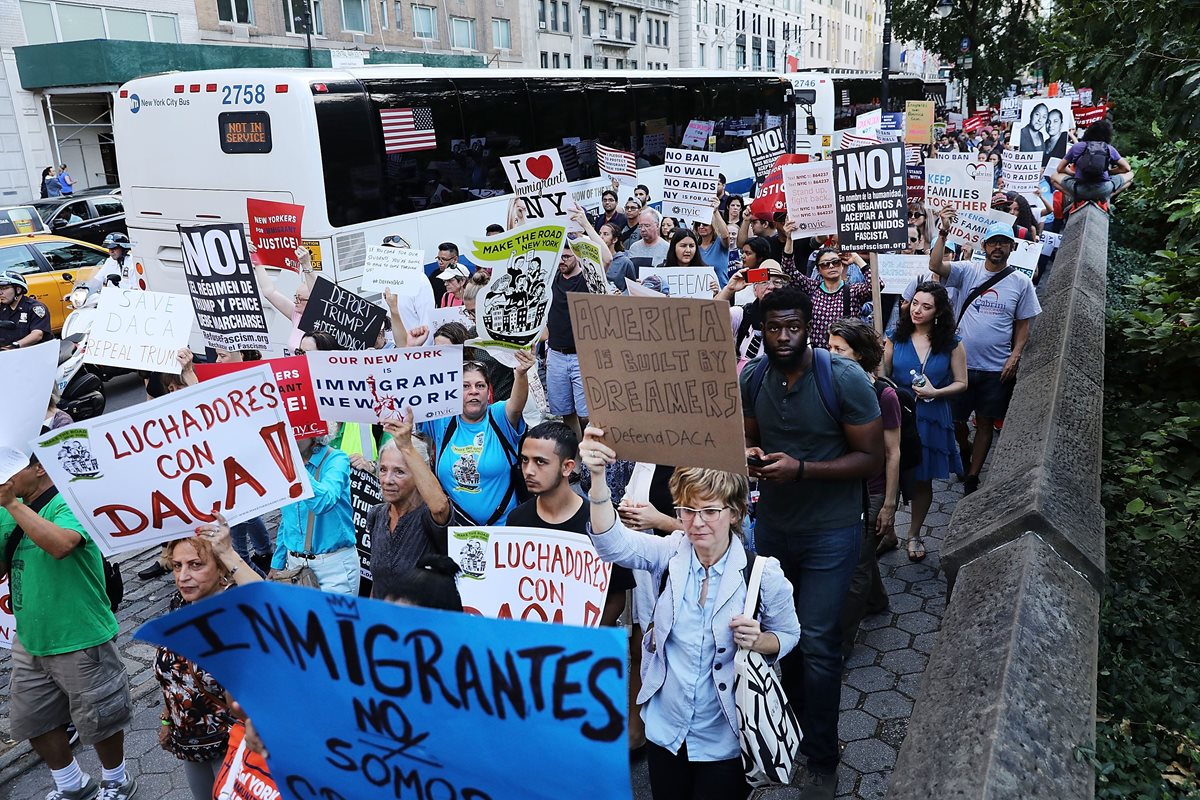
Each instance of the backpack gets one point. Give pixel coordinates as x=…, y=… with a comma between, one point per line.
x=910, y=437
x=516, y=480
x=1093, y=162
x=822, y=365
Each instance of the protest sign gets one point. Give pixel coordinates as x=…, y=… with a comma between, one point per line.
x=440, y=316
x=697, y=132
x=295, y=390
x=354, y=321
x=1085, y=97
x=513, y=307
x=153, y=472
x=1010, y=109
x=1025, y=257
x=869, y=123
x=587, y=253
x=1050, y=242
x=870, y=198
x=954, y=155
x=531, y=574
x=809, y=192
x=139, y=330
x=918, y=122
x=400, y=269
x=815, y=146
x=637, y=290
x=771, y=200
x=852, y=138
x=25, y=409
x=661, y=379
x=914, y=182
x=892, y=127
x=434, y=704
x=539, y=181
x=367, y=386
x=220, y=279
x=1043, y=127
x=896, y=271
x=693, y=282
x=969, y=226
x=275, y=232
x=618, y=165
x=963, y=185
x=764, y=147
x=1086, y=115
x=690, y=185
x=364, y=495
x=1022, y=171
x=8, y=623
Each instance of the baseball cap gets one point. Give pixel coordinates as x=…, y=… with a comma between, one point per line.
x=457, y=271
x=1000, y=230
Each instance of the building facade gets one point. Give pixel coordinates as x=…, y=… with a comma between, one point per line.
x=604, y=34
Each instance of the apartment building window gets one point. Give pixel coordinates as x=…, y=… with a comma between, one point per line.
x=702, y=55
x=238, y=11
x=658, y=31
x=566, y=18
x=633, y=27
x=666, y=33
x=356, y=16
x=649, y=32
x=383, y=14
x=567, y=60
x=462, y=33
x=587, y=62
x=620, y=63
x=293, y=16
x=740, y=56
x=720, y=57
x=67, y=22
x=606, y=62
x=586, y=20
x=425, y=22
x=617, y=25
x=633, y=64
x=756, y=53
x=542, y=13
x=556, y=59
x=553, y=15
x=545, y=61
x=603, y=21
x=501, y=34
x=770, y=55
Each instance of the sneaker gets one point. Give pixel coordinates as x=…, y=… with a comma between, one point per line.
x=819, y=786
x=72, y=734
x=88, y=790
x=113, y=790
x=970, y=484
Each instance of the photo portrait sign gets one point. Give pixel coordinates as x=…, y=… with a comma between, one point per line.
x=690, y=179
x=275, y=232
x=370, y=385
x=512, y=309
x=533, y=574
x=220, y=279
x=660, y=377
x=1043, y=127
x=153, y=472
x=871, y=198
x=139, y=330
x=353, y=321
x=436, y=704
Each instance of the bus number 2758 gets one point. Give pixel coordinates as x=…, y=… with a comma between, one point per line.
x=243, y=95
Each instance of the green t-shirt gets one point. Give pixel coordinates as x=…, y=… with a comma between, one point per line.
x=59, y=604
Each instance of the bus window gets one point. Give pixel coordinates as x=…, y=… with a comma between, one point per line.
x=561, y=110
x=659, y=124
x=497, y=122
x=350, y=154
x=610, y=108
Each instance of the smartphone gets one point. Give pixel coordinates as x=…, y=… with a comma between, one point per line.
x=757, y=275
x=756, y=462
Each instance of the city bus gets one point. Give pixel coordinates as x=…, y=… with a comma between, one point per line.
x=829, y=102
x=193, y=146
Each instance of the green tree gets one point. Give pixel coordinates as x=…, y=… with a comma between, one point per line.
x=1003, y=36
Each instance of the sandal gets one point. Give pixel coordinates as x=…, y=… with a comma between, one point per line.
x=916, y=549
x=886, y=545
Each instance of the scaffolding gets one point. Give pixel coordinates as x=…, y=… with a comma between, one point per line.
x=70, y=112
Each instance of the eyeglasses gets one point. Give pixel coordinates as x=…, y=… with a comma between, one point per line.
x=913, y=240
x=776, y=283
x=711, y=514
x=915, y=214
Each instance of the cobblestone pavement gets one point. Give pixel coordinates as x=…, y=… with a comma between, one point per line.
x=882, y=680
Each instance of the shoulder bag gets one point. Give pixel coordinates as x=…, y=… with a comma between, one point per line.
x=304, y=576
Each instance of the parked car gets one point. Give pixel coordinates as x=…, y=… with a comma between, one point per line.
x=88, y=219
x=51, y=265
x=20, y=220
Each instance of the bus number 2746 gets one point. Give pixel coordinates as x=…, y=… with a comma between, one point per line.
x=243, y=95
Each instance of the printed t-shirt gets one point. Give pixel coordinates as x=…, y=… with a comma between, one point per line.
x=472, y=467
x=987, y=326
x=59, y=604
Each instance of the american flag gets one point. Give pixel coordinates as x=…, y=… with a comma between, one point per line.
x=406, y=129
x=616, y=163
x=854, y=138
x=912, y=155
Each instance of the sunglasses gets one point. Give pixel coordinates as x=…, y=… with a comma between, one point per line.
x=836, y=262
x=915, y=214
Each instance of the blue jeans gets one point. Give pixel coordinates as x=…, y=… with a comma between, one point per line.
x=250, y=535
x=820, y=565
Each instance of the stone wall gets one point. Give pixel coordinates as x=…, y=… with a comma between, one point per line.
x=1010, y=689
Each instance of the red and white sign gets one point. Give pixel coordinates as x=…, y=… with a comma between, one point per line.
x=1086, y=115
x=295, y=387
x=275, y=232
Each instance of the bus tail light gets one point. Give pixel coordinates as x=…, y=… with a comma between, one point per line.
x=281, y=88
x=320, y=88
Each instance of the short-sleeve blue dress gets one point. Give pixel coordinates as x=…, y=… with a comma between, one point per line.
x=935, y=423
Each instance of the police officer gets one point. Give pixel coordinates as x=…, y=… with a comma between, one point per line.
x=117, y=268
x=23, y=320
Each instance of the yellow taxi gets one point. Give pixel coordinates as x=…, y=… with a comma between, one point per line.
x=51, y=265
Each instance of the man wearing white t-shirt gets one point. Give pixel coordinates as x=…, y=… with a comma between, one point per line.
x=994, y=308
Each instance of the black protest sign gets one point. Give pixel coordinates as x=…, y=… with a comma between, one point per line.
x=871, y=198
x=765, y=147
x=354, y=321
x=364, y=495
x=221, y=282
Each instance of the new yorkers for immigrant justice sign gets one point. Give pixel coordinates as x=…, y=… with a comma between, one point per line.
x=871, y=198
x=152, y=473
x=661, y=379
x=412, y=702
x=224, y=292
x=275, y=232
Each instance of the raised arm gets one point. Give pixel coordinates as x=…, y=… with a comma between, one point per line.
x=55, y=540
x=514, y=407
x=720, y=228
x=427, y=483
x=938, y=248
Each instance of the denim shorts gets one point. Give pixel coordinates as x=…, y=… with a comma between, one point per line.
x=564, y=385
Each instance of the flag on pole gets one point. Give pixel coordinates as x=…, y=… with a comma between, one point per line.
x=407, y=129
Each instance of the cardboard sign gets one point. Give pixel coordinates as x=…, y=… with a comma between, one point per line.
x=540, y=182
x=1022, y=171
x=661, y=379
x=367, y=386
x=25, y=410
x=295, y=389
x=896, y=271
x=513, y=307
x=764, y=148
x=871, y=199
x=809, y=192
x=693, y=282
x=354, y=321
x=435, y=704
x=224, y=291
x=963, y=185
x=1025, y=257
x=364, y=495
x=697, y=133
x=153, y=472
x=8, y=623
x=618, y=165
x=1010, y=109
x=918, y=122
x=588, y=254
x=275, y=232
x=530, y=574
x=400, y=269
x=1043, y=127
x=139, y=330
x=969, y=226
x=690, y=185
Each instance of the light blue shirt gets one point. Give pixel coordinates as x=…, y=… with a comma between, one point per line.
x=716, y=255
x=687, y=708
x=333, y=527
x=473, y=468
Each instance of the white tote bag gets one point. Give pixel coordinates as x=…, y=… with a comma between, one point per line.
x=769, y=734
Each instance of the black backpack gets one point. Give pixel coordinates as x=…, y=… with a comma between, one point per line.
x=910, y=437
x=1093, y=162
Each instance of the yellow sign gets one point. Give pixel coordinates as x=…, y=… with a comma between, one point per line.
x=314, y=248
x=918, y=122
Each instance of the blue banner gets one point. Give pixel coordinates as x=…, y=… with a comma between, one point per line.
x=357, y=698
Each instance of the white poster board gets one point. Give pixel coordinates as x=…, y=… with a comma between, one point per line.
x=370, y=385
x=697, y=133
x=539, y=182
x=440, y=316
x=810, y=198
x=1022, y=171
x=532, y=574
x=896, y=271
x=8, y=623
x=153, y=472
x=962, y=185
x=969, y=226
x=139, y=330
x=400, y=269
x=618, y=165
x=25, y=410
x=693, y=282
x=690, y=181
x=1025, y=257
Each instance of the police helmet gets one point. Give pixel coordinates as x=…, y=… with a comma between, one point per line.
x=116, y=240
x=14, y=279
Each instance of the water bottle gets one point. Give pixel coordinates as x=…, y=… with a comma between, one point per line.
x=919, y=379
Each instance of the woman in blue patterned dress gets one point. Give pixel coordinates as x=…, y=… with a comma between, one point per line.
x=925, y=357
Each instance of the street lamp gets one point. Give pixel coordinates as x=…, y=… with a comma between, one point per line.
x=944, y=8
x=305, y=20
